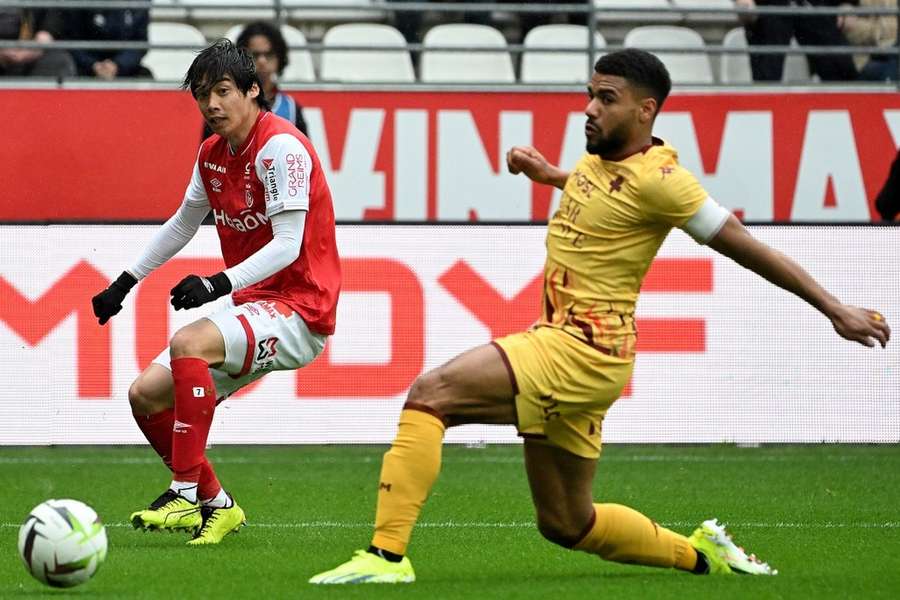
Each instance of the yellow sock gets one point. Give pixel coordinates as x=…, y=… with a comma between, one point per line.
x=624, y=535
x=409, y=470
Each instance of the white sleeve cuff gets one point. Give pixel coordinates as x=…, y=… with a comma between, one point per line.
x=707, y=221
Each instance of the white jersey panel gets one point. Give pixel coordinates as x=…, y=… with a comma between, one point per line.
x=284, y=166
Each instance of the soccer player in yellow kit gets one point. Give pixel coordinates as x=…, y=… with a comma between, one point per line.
x=556, y=381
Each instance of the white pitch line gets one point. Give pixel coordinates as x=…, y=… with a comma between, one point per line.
x=529, y=525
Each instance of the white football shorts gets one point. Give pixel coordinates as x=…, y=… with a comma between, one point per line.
x=260, y=336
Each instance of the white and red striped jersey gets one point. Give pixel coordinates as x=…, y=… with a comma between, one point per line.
x=274, y=170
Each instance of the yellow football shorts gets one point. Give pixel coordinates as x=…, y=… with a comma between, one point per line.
x=563, y=387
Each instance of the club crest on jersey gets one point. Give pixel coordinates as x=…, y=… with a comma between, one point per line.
x=216, y=184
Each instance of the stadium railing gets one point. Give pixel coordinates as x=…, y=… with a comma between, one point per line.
x=597, y=15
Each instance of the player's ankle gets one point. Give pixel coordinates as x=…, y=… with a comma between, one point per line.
x=388, y=556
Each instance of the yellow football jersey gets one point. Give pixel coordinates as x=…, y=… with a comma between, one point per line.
x=612, y=219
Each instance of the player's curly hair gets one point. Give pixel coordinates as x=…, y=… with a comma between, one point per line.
x=641, y=69
x=219, y=60
x=271, y=33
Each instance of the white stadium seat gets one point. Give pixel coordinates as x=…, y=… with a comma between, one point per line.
x=684, y=67
x=796, y=67
x=614, y=10
x=558, y=67
x=722, y=17
x=172, y=65
x=735, y=68
x=300, y=62
x=383, y=66
x=335, y=14
x=460, y=66
x=244, y=10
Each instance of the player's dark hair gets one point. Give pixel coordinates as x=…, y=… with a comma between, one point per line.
x=641, y=69
x=271, y=33
x=223, y=59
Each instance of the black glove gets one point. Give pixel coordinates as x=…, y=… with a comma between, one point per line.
x=109, y=301
x=192, y=291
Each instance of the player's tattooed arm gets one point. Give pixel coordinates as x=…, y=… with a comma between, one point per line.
x=861, y=325
x=527, y=160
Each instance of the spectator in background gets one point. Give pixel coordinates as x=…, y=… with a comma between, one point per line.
x=112, y=25
x=33, y=25
x=777, y=30
x=264, y=42
x=873, y=30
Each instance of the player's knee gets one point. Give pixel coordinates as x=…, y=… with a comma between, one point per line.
x=144, y=399
x=426, y=389
x=557, y=530
x=184, y=343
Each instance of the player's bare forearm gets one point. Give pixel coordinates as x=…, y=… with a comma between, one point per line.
x=735, y=242
x=861, y=325
x=527, y=160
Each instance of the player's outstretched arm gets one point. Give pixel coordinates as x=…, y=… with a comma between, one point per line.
x=525, y=159
x=861, y=325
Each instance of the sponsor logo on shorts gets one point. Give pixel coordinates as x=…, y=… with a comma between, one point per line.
x=266, y=349
x=180, y=427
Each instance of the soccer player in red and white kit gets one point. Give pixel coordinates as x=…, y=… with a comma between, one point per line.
x=273, y=212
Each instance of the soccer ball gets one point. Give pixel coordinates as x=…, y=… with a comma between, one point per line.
x=62, y=542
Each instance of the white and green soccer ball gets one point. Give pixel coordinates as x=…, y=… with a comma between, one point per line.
x=62, y=542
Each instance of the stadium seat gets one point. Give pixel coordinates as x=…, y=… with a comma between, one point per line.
x=684, y=67
x=300, y=62
x=383, y=66
x=722, y=17
x=244, y=10
x=335, y=14
x=171, y=65
x=735, y=68
x=796, y=67
x=442, y=66
x=558, y=67
x=614, y=10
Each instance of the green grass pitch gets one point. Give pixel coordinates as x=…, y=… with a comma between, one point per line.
x=828, y=517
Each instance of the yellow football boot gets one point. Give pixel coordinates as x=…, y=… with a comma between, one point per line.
x=723, y=556
x=169, y=512
x=366, y=567
x=217, y=523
